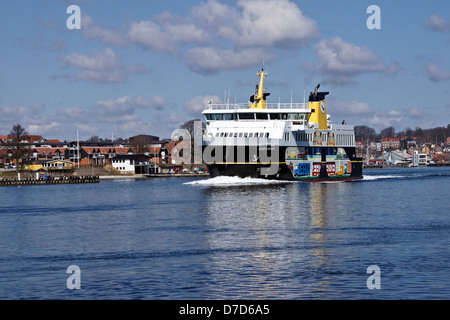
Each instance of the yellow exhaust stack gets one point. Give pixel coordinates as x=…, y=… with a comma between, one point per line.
x=318, y=107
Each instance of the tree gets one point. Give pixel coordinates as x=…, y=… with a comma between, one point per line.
x=16, y=143
x=419, y=133
x=388, y=132
x=140, y=143
x=409, y=132
x=190, y=127
x=195, y=128
x=364, y=133
x=94, y=139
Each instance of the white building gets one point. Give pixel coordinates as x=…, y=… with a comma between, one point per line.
x=125, y=163
x=419, y=159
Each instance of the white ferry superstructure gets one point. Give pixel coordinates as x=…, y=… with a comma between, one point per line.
x=285, y=141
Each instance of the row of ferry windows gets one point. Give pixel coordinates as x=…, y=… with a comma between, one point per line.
x=341, y=139
x=330, y=138
x=243, y=134
x=257, y=116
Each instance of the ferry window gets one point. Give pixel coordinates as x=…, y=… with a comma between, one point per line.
x=250, y=135
x=247, y=116
x=275, y=116
x=267, y=134
x=261, y=116
x=284, y=116
x=235, y=134
x=228, y=116
x=217, y=116
x=296, y=116
x=207, y=116
x=240, y=134
x=313, y=151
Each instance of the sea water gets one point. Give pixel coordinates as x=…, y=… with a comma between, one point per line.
x=229, y=238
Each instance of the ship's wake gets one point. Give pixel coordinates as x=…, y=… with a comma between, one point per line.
x=370, y=178
x=225, y=181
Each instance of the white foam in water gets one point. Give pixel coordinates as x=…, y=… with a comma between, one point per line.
x=381, y=177
x=234, y=181
x=224, y=181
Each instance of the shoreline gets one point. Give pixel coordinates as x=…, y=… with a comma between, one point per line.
x=156, y=175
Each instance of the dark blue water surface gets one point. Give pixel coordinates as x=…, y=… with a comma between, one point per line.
x=229, y=238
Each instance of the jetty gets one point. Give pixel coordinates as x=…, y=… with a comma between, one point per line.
x=57, y=180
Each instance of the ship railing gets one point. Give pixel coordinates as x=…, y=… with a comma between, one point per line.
x=343, y=127
x=245, y=106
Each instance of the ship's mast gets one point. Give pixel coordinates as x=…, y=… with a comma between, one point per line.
x=259, y=99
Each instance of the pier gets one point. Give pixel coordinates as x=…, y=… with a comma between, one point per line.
x=59, y=180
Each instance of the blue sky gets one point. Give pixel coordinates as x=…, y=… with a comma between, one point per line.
x=148, y=66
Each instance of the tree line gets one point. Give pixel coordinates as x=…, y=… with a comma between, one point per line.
x=433, y=135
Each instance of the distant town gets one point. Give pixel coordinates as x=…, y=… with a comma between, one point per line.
x=36, y=155
x=410, y=147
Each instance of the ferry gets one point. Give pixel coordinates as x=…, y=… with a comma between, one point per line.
x=283, y=141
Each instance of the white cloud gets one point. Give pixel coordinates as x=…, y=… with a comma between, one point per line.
x=86, y=129
x=182, y=30
x=349, y=107
x=161, y=33
x=92, y=31
x=337, y=56
x=216, y=17
x=150, y=35
x=70, y=114
x=384, y=119
x=436, y=74
x=436, y=23
x=414, y=113
x=99, y=61
x=342, y=60
x=47, y=128
x=258, y=22
x=102, y=66
x=165, y=36
x=211, y=60
x=108, y=76
x=138, y=68
x=196, y=105
x=31, y=118
x=18, y=111
x=252, y=29
x=123, y=109
x=273, y=23
x=133, y=127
